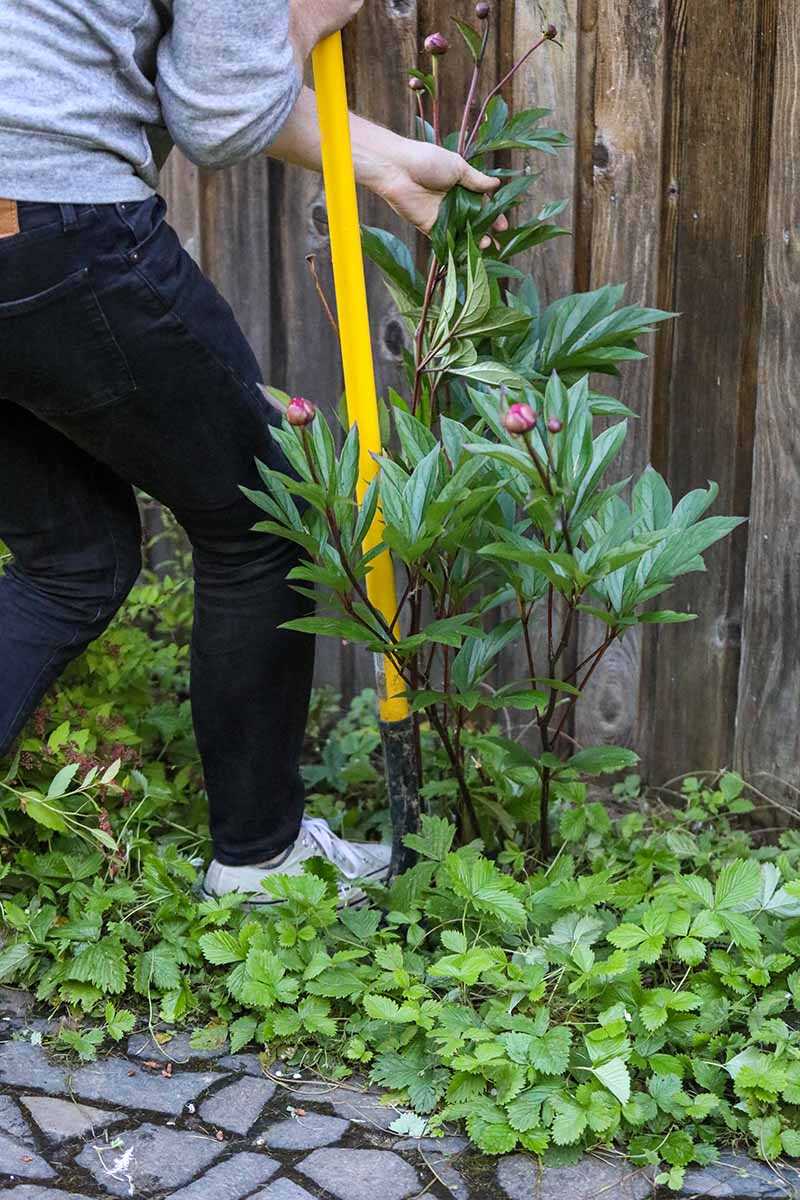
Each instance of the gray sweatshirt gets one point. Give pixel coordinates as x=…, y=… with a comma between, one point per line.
x=93, y=93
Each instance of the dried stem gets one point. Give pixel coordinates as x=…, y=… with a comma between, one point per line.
x=312, y=266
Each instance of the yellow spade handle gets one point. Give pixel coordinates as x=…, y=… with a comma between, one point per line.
x=354, y=334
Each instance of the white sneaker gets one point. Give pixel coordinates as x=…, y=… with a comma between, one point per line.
x=369, y=861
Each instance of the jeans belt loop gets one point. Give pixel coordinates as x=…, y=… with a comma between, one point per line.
x=69, y=217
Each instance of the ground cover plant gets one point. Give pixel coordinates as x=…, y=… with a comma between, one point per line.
x=555, y=972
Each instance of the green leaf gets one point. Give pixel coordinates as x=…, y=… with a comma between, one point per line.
x=570, y=1122
x=550, y=1052
x=394, y=258
x=49, y=814
x=221, y=948
x=103, y=964
x=118, y=1022
x=13, y=959
x=434, y=840
x=61, y=781
x=790, y=1141
x=472, y=38
x=737, y=884
x=602, y=760
x=615, y=1076
x=242, y=1031
x=383, y=1008
x=665, y=617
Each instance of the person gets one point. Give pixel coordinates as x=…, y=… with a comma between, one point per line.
x=122, y=366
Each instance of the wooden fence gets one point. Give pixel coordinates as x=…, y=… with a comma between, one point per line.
x=684, y=179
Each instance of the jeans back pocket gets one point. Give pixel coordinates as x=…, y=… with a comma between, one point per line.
x=58, y=353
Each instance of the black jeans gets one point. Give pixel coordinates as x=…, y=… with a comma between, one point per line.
x=121, y=364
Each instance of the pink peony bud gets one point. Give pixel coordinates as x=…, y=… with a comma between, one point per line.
x=551, y=32
x=554, y=425
x=436, y=43
x=482, y=10
x=415, y=84
x=520, y=418
x=300, y=412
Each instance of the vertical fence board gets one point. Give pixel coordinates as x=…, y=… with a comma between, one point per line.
x=548, y=81
x=628, y=104
x=688, y=701
x=236, y=239
x=767, y=744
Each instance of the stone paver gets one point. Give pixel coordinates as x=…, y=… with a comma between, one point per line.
x=177, y=1050
x=118, y=1081
x=363, y=1108
x=441, y=1147
x=150, y=1159
x=29, y=1191
x=306, y=1133
x=230, y=1180
x=12, y=1120
x=61, y=1120
x=281, y=1189
x=437, y=1159
x=362, y=1174
x=739, y=1178
x=28, y=1066
x=18, y=1159
x=521, y=1178
x=238, y=1106
x=243, y=1064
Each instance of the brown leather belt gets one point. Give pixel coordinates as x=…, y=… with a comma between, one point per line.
x=9, y=218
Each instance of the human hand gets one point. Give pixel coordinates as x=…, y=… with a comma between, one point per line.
x=421, y=176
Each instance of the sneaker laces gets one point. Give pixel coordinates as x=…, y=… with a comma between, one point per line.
x=340, y=852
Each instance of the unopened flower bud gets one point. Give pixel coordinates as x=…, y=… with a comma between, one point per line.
x=551, y=32
x=436, y=43
x=554, y=425
x=482, y=10
x=300, y=412
x=520, y=418
x=416, y=84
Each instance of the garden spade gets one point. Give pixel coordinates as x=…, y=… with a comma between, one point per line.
x=396, y=722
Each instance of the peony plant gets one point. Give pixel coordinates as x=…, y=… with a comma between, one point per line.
x=497, y=487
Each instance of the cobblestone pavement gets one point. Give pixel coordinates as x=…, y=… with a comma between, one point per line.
x=172, y=1123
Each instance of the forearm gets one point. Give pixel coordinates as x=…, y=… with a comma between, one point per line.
x=378, y=154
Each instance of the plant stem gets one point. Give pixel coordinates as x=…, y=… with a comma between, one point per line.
x=499, y=87
x=525, y=616
x=421, y=111
x=419, y=337
x=473, y=87
x=437, y=104
x=545, y=846
x=456, y=764
x=599, y=654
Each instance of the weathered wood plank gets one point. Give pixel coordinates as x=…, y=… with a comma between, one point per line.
x=626, y=204
x=767, y=733
x=720, y=66
x=548, y=80
x=180, y=186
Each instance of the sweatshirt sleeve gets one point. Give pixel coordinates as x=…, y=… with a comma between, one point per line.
x=227, y=77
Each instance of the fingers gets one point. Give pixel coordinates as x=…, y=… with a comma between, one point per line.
x=499, y=226
x=476, y=181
